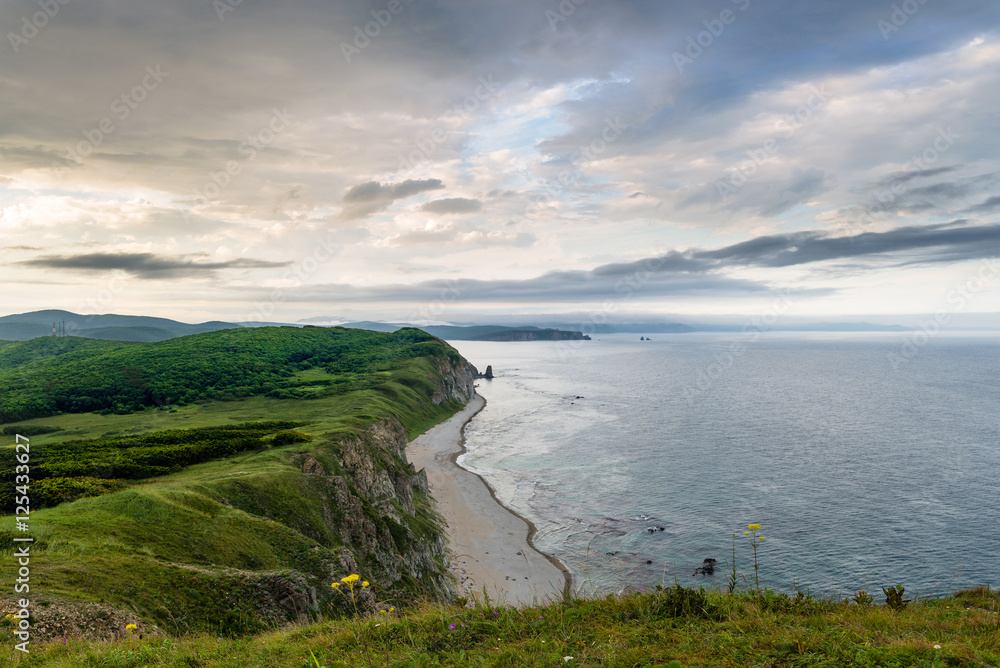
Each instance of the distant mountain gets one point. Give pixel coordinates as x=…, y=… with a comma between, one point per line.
x=478, y=332
x=373, y=326
x=110, y=327
x=641, y=328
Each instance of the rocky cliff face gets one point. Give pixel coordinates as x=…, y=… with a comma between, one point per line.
x=379, y=505
x=457, y=381
x=534, y=335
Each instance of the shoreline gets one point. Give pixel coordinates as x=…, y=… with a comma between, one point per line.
x=490, y=546
x=532, y=529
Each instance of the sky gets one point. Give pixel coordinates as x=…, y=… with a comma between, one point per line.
x=443, y=160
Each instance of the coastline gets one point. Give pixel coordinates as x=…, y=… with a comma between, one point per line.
x=490, y=546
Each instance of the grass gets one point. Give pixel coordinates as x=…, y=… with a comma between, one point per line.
x=634, y=629
x=184, y=551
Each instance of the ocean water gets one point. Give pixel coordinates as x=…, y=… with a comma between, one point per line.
x=868, y=462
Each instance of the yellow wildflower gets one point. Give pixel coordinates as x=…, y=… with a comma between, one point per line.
x=746, y=533
x=129, y=627
x=335, y=585
x=753, y=527
x=760, y=538
x=350, y=578
x=364, y=584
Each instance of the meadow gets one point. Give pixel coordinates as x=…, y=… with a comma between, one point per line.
x=198, y=514
x=672, y=627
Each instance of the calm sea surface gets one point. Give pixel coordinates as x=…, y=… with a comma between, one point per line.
x=866, y=466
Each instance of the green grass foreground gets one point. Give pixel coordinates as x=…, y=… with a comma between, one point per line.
x=670, y=627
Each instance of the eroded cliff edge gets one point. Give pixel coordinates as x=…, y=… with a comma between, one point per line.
x=240, y=545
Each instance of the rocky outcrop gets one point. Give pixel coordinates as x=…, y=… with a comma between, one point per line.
x=456, y=379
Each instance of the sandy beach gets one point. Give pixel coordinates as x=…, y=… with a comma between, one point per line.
x=488, y=544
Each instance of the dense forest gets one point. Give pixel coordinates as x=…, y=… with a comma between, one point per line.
x=53, y=375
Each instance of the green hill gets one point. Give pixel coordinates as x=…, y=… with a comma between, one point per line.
x=225, y=478
x=26, y=326
x=56, y=375
x=479, y=332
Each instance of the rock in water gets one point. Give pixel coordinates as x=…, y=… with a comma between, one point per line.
x=707, y=567
x=489, y=372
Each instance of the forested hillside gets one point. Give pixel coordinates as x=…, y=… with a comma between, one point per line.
x=49, y=375
x=221, y=481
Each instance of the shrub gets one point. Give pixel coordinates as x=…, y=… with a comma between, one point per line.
x=290, y=436
x=678, y=601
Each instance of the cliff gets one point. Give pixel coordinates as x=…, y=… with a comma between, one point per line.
x=533, y=335
x=254, y=540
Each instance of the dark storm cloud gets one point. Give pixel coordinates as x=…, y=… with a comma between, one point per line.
x=145, y=265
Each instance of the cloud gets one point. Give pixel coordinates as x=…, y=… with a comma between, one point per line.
x=554, y=287
x=492, y=97
x=696, y=272
x=376, y=192
x=145, y=265
x=453, y=205
x=988, y=206
x=365, y=199
x=947, y=242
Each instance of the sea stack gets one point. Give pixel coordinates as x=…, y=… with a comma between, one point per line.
x=489, y=372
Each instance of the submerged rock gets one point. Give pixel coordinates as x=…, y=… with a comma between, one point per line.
x=707, y=567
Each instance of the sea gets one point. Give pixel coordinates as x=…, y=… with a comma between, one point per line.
x=868, y=459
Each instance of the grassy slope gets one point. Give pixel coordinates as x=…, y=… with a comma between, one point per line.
x=178, y=549
x=628, y=630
